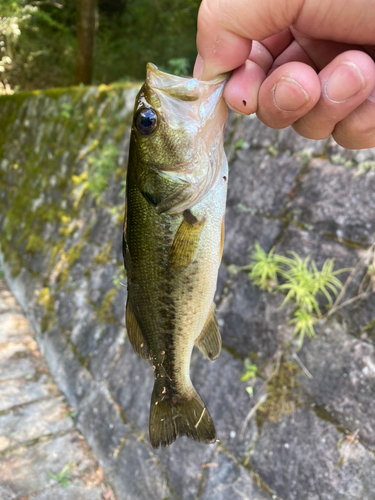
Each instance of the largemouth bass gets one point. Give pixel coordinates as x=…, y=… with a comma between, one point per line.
x=173, y=240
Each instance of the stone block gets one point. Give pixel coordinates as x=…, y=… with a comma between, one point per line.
x=258, y=136
x=320, y=247
x=75, y=490
x=130, y=382
x=305, y=457
x=84, y=261
x=119, y=303
x=183, y=462
x=102, y=424
x=101, y=281
x=260, y=183
x=87, y=330
x=65, y=307
x=224, y=479
x=336, y=201
x=343, y=383
x=359, y=318
x=73, y=379
x=19, y=391
x=242, y=230
x=219, y=384
x=137, y=473
x=102, y=229
x=13, y=327
x=109, y=346
x=250, y=319
x=33, y=421
x=7, y=302
x=14, y=361
x=49, y=456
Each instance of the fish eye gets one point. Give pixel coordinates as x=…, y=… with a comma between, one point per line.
x=146, y=121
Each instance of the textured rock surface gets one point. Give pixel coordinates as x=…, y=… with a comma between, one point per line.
x=315, y=437
x=37, y=435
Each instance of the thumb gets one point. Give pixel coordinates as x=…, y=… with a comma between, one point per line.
x=226, y=29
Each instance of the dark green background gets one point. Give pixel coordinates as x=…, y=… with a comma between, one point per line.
x=130, y=33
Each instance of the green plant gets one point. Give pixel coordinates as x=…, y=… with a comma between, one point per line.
x=300, y=281
x=249, y=373
x=63, y=476
x=264, y=267
x=119, y=277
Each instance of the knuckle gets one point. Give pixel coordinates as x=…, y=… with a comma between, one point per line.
x=356, y=131
x=310, y=131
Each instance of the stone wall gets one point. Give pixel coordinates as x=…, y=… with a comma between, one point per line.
x=308, y=435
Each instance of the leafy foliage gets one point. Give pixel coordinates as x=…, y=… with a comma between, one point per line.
x=249, y=374
x=158, y=31
x=178, y=66
x=264, y=268
x=63, y=476
x=300, y=281
x=38, y=47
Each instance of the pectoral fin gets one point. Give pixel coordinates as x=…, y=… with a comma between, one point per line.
x=185, y=243
x=209, y=341
x=135, y=335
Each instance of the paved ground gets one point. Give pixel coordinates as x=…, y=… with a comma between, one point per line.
x=42, y=456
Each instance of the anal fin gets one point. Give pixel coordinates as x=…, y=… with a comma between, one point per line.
x=185, y=243
x=209, y=341
x=135, y=335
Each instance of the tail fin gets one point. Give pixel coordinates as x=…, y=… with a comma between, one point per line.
x=176, y=415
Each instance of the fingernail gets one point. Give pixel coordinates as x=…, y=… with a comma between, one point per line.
x=371, y=97
x=198, y=67
x=204, y=70
x=345, y=82
x=289, y=95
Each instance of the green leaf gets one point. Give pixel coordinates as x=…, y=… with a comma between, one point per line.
x=301, y=282
x=250, y=391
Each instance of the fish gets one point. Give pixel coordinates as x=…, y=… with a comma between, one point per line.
x=173, y=242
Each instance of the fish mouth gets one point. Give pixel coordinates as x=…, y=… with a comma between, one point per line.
x=185, y=89
x=187, y=102
x=195, y=111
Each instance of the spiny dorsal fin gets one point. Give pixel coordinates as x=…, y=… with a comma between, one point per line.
x=209, y=341
x=135, y=335
x=185, y=243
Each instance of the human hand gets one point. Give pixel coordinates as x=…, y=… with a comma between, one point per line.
x=312, y=66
